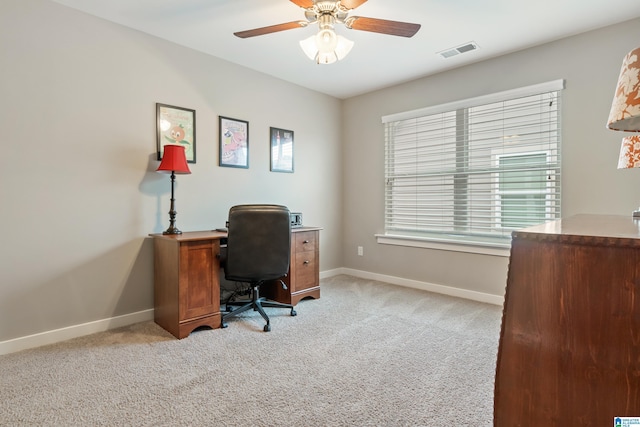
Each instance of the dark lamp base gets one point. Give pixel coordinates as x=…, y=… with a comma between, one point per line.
x=172, y=230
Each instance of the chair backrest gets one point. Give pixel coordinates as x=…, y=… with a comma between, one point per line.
x=259, y=243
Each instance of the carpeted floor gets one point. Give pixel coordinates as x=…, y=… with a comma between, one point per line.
x=365, y=354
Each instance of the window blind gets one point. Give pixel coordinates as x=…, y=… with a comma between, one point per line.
x=474, y=170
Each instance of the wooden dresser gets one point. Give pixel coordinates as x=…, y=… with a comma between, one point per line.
x=569, y=350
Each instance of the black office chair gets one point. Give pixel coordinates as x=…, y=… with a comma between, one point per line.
x=258, y=250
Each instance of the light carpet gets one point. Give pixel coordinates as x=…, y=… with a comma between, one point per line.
x=365, y=354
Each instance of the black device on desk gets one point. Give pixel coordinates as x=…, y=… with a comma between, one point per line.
x=296, y=219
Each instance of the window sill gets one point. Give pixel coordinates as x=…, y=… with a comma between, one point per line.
x=445, y=245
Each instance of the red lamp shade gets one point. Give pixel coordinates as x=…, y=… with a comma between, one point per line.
x=174, y=160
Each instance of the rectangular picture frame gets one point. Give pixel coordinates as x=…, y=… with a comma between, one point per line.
x=177, y=126
x=281, y=149
x=233, y=142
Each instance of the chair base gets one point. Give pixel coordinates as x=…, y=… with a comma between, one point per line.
x=257, y=303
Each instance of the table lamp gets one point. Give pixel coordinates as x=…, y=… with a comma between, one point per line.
x=625, y=112
x=173, y=161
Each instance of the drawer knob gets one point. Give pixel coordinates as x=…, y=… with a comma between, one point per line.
x=306, y=241
x=306, y=262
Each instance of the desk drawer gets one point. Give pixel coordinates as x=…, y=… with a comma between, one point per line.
x=305, y=241
x=305, y=271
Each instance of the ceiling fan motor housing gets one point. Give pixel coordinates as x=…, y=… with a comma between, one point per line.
x=323, y=9
x=323, y=6
x=326, y=21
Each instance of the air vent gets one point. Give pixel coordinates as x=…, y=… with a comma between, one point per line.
x=467, y=47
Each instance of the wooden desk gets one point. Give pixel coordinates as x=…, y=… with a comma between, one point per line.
x=570, y=341
x=187, y=277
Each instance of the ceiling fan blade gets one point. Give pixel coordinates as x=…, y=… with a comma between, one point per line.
x=351, y=4
x=383, y=26
x=305, y=4
x=271, y=29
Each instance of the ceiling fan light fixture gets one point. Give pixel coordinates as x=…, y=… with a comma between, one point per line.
x=309, y=48
x=344, y=47
x=326, y=40
x=326, y=58
x=323, y=51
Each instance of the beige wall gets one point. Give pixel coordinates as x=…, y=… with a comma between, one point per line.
x=589, y=63
x=80, y=195
x=79, y=188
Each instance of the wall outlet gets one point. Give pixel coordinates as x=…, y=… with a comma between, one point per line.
x=360, y=251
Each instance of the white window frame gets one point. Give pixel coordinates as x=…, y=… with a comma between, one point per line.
x=451, y=242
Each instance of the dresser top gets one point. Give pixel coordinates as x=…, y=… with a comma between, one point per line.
x=609, y=226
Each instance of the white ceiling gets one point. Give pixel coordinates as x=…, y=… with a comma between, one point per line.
x=376, y=61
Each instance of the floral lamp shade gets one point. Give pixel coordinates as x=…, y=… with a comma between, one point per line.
x=625, y=109
x=625, y=113
x=630, y=152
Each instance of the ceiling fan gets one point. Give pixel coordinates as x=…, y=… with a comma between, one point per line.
x=326, y=47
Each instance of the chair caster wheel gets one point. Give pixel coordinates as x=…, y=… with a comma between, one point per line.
x=267, y=328
x=293, y=312
x=223, y=325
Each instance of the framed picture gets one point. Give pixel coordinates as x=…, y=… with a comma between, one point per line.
x=176, y=126
x=234, y=142
x=281, y=150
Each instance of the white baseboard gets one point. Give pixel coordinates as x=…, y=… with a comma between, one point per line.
x=63, y=334
x=331, y=273
x=425, y=286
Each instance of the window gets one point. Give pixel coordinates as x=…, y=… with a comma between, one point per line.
x=473, y=171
